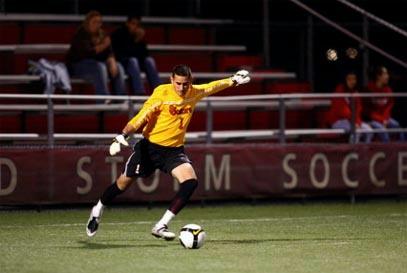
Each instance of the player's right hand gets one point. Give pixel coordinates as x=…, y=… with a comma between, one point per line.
x=241, y=77
x=115, y=146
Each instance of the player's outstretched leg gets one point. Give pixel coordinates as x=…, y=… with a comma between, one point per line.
x=160, y=230
x=96, y=213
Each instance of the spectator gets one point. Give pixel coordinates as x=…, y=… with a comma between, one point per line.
x=90, y=56
x=340, y=113
x=131, y=50
x=378, y=109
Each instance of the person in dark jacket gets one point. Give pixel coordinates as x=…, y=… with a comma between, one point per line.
x=340, y=113
x=378, y=109
x=131, y=51
x=91, y=57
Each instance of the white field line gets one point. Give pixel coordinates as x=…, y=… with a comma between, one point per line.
x=243, y=220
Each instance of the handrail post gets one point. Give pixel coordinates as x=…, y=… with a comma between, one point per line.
x=310, y=50
x=76, y=7
x=365, y=54
x=50, y=122
x=281, y=119
x=2, y=6
x=353, y=137
x=130, y=107
x=209, y=121
x=266, y=33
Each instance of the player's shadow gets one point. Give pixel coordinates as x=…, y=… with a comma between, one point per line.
x=258, y=241
x=85, y=244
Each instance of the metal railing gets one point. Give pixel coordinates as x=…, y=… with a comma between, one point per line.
x=60, y=48
x=374, y=17
x=25, y=78
x=131, y=104
x=362, y=40
x=27, y=17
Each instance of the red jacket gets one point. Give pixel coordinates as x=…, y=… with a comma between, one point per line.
x=378, y=108
x=341, y=107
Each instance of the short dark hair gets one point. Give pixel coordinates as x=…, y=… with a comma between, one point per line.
x=377, y=71
x=91, y=14
x=349, y=72
x=182, y=70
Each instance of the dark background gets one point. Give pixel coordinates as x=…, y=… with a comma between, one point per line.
x=288, y=36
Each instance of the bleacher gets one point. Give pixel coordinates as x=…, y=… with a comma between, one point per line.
x=171, y=41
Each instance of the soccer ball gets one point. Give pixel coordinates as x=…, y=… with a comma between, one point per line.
x=192, y=236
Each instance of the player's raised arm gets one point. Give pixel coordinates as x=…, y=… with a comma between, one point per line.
x=151, y=106
x=240, y=77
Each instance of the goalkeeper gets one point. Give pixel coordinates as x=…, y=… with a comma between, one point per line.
x=164, y=119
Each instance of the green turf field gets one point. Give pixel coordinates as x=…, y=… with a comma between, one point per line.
x=319, y=237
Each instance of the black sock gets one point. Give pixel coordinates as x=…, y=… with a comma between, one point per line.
x=110, y=193
x=187, y=188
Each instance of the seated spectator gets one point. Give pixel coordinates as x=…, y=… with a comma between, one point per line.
x=377, y=110
x=131, y=50
x=340, y=113
x=90, y=56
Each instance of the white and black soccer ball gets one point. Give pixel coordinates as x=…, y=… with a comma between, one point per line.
x=192, y=236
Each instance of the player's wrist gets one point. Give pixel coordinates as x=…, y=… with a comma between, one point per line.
x=234, y=83
x=121, y=138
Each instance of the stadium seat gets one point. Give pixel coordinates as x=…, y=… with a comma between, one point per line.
x=200, y=61
x=88, y=123
x=198, y=122
x=155, y=35
x=288, y=87
x=48, y=34
x=228, y=120
x=7, y=63
x=232, y=63
x=115, y=123
x=9, y=33
x=261, y=120
x=10, y=124
x=190, y=36
x=254, y=87
x=77, y=123
x=20, y=63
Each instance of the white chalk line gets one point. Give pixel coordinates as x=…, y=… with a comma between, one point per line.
x=217, y=220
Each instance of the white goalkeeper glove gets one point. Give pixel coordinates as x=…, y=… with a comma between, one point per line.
x=241, y=77
x=115, y=146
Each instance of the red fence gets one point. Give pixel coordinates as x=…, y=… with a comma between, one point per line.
x=80, y=174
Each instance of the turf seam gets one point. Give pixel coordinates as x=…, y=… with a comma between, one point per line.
x=237, y=220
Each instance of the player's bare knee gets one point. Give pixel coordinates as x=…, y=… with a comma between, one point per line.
x=184, y=172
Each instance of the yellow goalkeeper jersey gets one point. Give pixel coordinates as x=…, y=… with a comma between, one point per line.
x=166, y=115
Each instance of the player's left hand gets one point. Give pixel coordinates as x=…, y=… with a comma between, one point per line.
x=241, y=77
x=115, y=146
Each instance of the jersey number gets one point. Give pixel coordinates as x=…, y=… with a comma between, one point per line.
x=181, y=125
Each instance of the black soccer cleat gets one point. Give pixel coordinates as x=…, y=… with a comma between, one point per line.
x=92, y=226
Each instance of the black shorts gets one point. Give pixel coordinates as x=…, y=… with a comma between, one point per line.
x=147, y=157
